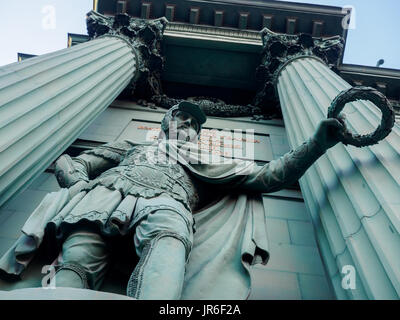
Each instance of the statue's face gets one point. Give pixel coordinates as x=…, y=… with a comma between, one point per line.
x=187, y=126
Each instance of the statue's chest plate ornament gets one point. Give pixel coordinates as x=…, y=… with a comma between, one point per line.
x=143, y=166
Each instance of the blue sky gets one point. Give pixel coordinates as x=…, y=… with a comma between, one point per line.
x=41, y=26
x=25, y=28
x=376, y=33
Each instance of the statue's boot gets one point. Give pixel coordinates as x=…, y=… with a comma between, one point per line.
x=160, y=271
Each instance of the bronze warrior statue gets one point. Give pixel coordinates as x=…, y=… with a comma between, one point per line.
x=125, y=189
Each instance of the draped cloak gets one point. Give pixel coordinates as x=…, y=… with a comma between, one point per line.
x=230, y=233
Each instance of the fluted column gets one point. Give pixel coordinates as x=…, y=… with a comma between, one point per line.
x=47, y=101
x=352, y=194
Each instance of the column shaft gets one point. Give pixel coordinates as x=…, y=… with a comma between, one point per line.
x=47, y=101
x=353, y=194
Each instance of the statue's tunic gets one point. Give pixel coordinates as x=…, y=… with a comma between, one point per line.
x=112, y=197
x=143, y=173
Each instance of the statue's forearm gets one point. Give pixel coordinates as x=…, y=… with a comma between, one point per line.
x=69, y=171
x=95, y=164
x=286, y=170
x=296, y=162
x=90, y=163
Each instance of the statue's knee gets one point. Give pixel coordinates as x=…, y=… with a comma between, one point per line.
x=164, y=222
x=74, y=255
x=172, y=239
x=72, y=271
x=84, y=254
x=84, y=248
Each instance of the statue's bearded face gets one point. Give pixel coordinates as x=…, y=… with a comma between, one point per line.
x=187, y=126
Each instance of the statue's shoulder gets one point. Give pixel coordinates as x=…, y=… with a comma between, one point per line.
x=115, y=150
x=120, y=145
x=132, y=143
x=134, y=147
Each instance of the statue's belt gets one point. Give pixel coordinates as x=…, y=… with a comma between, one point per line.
x=149, y=177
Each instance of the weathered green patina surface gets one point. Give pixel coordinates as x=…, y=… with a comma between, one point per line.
x=132, y=192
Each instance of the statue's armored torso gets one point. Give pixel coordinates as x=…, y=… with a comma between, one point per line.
x=143, y=173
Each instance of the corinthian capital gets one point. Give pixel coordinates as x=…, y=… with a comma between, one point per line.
x=144, y=36
x=280, y=49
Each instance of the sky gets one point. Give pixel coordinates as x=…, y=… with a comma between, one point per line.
x=376, y=33
x=41, y=26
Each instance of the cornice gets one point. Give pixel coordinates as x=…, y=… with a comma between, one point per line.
x=279, y=5
x=370, y=71
x=213, y=33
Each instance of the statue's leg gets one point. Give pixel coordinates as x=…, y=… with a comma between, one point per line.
x=163, y=241
x=84, y=261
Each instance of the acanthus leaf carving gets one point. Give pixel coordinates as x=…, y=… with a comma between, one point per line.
x=279, y=50
x=144, y=36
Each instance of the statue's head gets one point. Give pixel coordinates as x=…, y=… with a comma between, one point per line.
x=183, y=121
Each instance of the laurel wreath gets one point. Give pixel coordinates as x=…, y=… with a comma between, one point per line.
x=364, y=93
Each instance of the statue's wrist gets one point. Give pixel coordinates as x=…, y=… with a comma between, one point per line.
x=316, y=146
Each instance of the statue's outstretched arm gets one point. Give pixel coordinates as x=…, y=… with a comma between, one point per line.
x=90, y=163
x=283, y=172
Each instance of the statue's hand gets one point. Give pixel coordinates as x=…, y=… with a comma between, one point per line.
x=329, y=133
x=68, y=172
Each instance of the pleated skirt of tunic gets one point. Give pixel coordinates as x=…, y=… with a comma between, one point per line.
x=110, y=206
